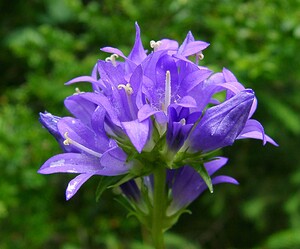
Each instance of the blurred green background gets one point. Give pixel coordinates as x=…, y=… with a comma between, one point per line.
x=45, y=43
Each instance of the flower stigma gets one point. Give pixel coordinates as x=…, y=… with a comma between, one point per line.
x=155, y=45
x=112, y=59
x=167, y=92
x=69, y=141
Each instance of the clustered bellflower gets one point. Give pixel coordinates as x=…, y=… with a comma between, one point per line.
x=151, y=125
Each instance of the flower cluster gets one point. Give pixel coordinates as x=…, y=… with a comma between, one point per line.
x=148, y=111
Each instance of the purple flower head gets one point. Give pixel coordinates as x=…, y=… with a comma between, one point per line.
x=152, y=110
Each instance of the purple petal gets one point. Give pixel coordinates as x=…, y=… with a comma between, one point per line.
x=253, y=129
x=167, y=44
x=80, y=108
x=146, y=111
x=102, y=100
x=135, y=82
x=82, y=79
x=194, y=48
x=228, y=75
x=71, y=163
x=215, y=164
x=187, y=101
x=224, y=179
x=75, y=184
x=114, y=162
x=137, y=132
x=113, y=51
x=97, y=121
x=137, y=54
x=111, y=74
x=195, y=78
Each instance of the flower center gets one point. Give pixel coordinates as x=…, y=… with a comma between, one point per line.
x=112, y=59
x=69, y=141
x=129, y=91
x=167, y=92
x=155, y=45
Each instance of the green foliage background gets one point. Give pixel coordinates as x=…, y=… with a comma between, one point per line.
x=46, y=43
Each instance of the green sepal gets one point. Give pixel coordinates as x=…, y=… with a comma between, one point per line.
x=200, y=168
x=171, y=220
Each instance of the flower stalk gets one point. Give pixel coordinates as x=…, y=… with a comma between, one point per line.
x=159, y=207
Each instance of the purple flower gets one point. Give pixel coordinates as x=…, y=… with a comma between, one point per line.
x=186, y=184
x=151, y=109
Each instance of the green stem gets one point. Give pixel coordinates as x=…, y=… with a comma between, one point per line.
x=159, y=207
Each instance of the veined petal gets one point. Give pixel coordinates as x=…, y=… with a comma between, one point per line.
x=221, y=124
x=138, y=132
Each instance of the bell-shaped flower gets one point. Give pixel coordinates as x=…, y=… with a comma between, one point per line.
x=221, y=124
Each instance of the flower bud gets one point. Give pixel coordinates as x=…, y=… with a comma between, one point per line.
x=221, y=124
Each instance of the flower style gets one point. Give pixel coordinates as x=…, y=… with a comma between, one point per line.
x=150, y=113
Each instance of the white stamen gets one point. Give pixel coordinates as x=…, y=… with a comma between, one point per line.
x=182, y=121
x=77, y=91
x=167, y=91
x=69, y=141
x=112, y=59
x=129, y=91
x=155, y=45
x=199, y=56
